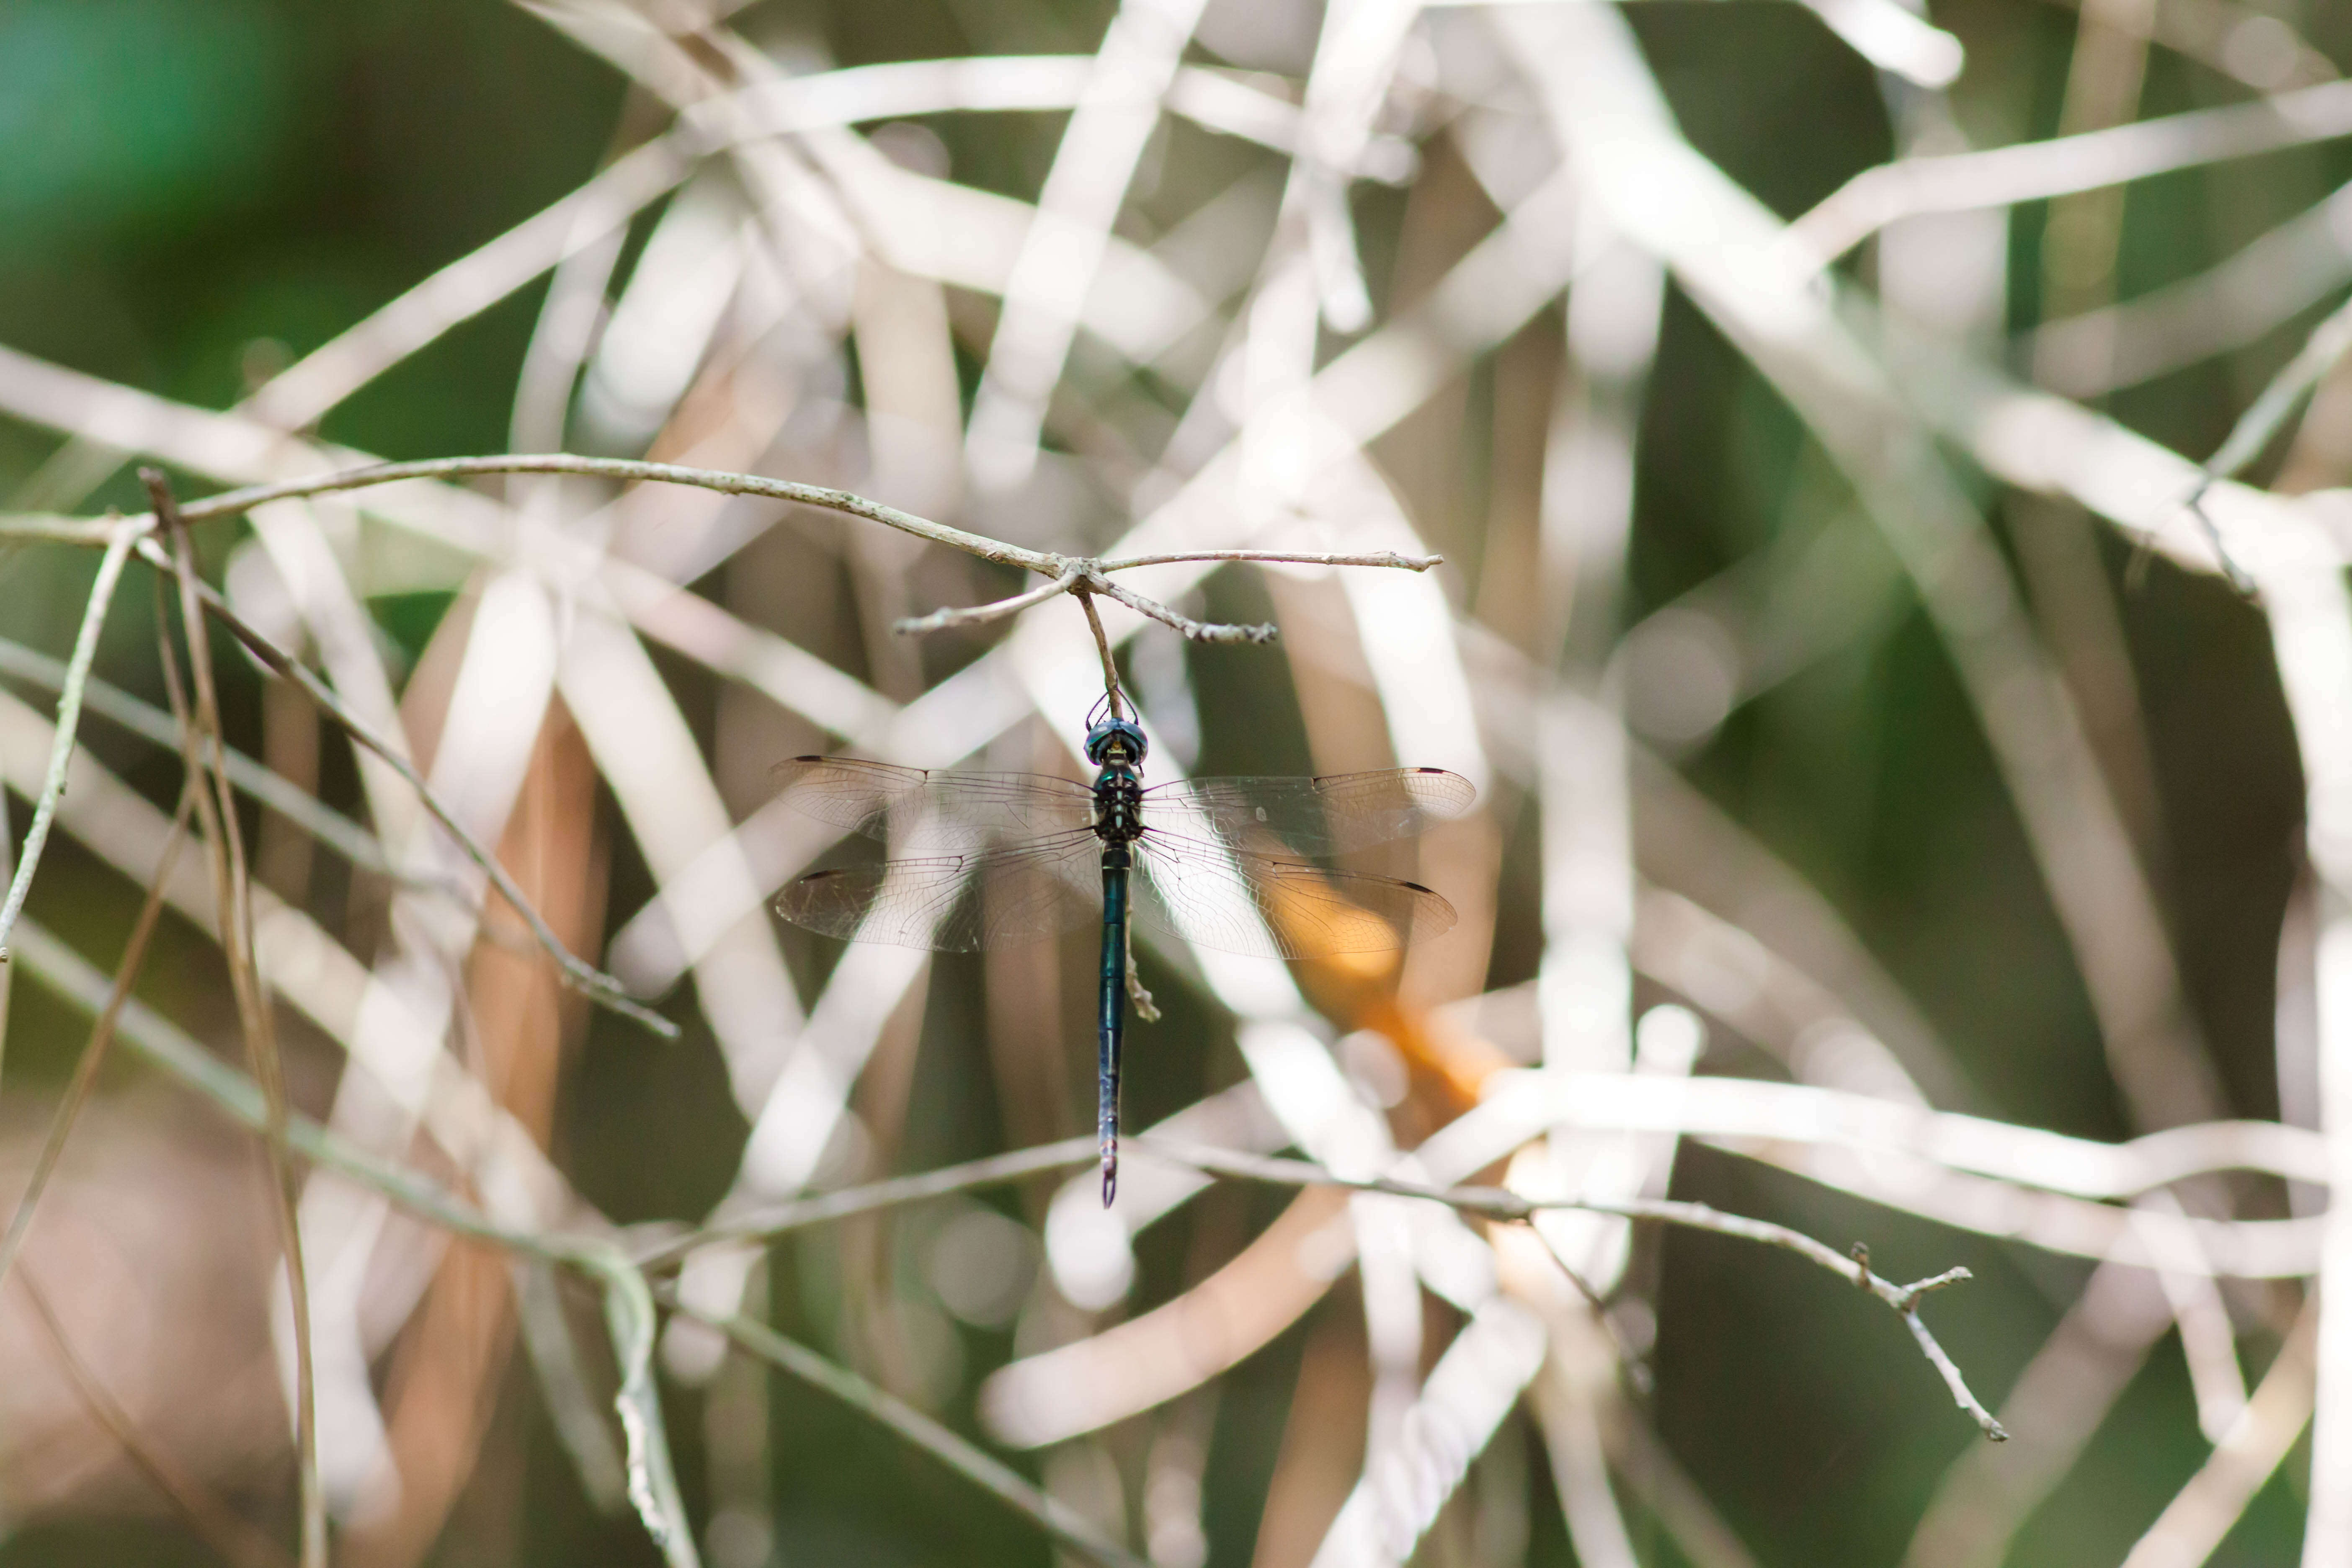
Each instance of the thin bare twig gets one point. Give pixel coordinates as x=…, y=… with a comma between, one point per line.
x=1376, y=558
x=2264, y=418
x=1498, y=1203
x=119, y=539
x=1068, y=572
x=629, y=1312
x=224, y=840
x=281, y=794
x=598, y=986
x=1199, y=631
x=126, y=976
x=995, y=1171
x=230, y=503
x=41, y=528
x=223, y=1531
x=939, y=620
x=2246, y=295
x=1493, y=1202
x=1083, y=592
x=913, y=1427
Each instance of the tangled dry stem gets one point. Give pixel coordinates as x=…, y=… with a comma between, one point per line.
x=1492, y=1202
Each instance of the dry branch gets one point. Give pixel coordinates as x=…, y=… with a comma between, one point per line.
x=223, y=1530
x=93, y=1053
x=629, y=1313
x=1493, y=1202
x=330, y=827
x=912, y=1426
x=198, y=710
x=598, y=986
x=1066, y=571
x=975, y=1175
x=1496, y=1203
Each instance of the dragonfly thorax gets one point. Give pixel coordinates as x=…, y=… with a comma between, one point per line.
x=1119, y=805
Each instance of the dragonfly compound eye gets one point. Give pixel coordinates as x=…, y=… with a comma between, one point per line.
x=1124, y=735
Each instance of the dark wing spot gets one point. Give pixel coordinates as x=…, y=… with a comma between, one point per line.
x=1417, y=888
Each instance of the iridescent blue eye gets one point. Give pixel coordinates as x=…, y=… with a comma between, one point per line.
x=1126, y=731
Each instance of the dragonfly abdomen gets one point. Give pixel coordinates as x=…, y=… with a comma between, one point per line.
x=1117, y=861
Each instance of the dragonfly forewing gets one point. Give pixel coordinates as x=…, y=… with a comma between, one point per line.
x=1238, y=901
x=1326, y=816
x=924, y=808
x=956, y=903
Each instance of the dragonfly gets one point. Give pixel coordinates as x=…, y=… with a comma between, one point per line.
x=1011, y=858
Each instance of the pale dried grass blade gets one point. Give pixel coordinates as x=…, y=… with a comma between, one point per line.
x=2311, y=632
x=2257, y=289
x=1472, y=1387
x=1600, y=95
x=649, y=755
x=2031, y=171
x=2192, y=1525
x=1059, y=257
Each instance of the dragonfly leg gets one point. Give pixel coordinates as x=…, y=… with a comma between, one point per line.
x=1145, y=1007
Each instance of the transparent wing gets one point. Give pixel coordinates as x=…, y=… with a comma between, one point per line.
x=933, y=809
x=1238, y=901
x=956, y=903
x=1326, y=816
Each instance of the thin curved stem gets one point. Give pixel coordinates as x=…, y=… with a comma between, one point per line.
x=2034, y=170
x=594, y=1256
x=207, y=776
x=46, y=528
x=230, y=503
x=147, y=721
x=1070, y=574
x=1377, y=558
x=1495, y=1202
x=598, y=986
x=225, y=1530
x=1500, y=1203
x=1083, y=591
x=939, y=620
x=995, y=1171
x=84, y=654
x=1199, y=631
x=126, y=976
x=1074, y=1533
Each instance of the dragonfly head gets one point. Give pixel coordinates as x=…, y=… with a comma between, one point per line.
x=1116, y=741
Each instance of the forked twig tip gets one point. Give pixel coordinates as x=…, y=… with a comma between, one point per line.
x=2232, y=573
